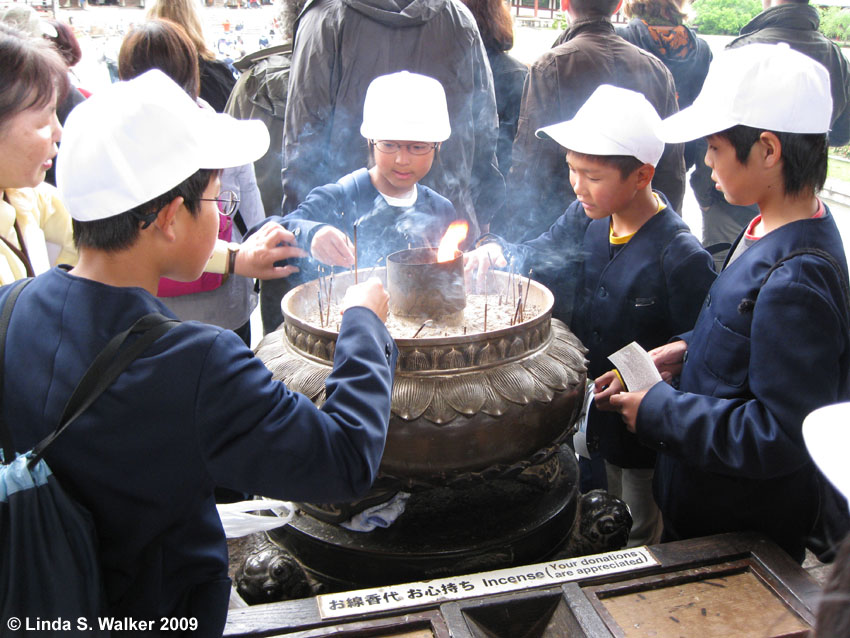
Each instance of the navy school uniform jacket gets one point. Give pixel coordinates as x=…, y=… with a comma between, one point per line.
x=650, y=290
x=382, y=229
x=195, y=411
x=731, y=452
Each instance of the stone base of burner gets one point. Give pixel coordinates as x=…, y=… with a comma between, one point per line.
x=445, y=532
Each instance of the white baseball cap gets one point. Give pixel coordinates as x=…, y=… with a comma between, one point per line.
x=133, y=141
x=405, y=106
x=613, y=121
x=765, y=86
x=827, y=438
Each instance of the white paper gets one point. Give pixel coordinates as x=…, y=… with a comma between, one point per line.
x=636, y=367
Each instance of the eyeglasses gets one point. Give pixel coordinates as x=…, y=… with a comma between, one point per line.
x=416, y=148
x=226, y=200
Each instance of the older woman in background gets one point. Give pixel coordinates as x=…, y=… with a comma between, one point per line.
x=35, y=228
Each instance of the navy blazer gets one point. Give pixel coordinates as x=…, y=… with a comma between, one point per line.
x=195, y=411
x=731, y=451
x=651, y=290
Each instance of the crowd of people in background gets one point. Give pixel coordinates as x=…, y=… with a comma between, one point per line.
x=403, y=116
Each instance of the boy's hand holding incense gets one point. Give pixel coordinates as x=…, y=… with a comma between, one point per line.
x=477, y=262
x=369, y=294
x=332, y=247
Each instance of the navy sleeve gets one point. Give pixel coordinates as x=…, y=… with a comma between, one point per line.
x=260, y=437
x=689, y=273
x=794, y=366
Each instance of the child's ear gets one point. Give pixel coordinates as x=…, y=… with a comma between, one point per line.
x=770, y=149
x=644, y=174
x=166, y=216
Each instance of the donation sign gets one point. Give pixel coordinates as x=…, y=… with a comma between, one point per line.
x=483, y=584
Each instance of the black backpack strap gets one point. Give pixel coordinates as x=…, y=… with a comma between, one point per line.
x=106, y=367
x=8, y=448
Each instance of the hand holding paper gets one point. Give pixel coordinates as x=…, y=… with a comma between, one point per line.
x=637, y=369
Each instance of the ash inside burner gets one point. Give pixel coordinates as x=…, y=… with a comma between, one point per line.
x=499, y=315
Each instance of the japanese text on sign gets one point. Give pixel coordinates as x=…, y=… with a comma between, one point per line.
x=484, y=583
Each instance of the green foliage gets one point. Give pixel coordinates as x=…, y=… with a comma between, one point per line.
x=724, y=17
x=835, y=23
x=561, y=21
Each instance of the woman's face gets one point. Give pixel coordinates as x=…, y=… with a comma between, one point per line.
x=28, y=145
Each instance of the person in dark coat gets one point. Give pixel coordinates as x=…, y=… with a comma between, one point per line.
x=796, y=23
x=641, y=276
x=341, y=46
x=559, y=82
x=217, y=77
x=496, y=27
x=771, y=343
x=196, y=409
x=658, y=26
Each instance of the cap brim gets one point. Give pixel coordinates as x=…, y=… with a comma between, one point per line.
x=233, y=142
x=580, y=138
x=827, y=437
x=693, y=123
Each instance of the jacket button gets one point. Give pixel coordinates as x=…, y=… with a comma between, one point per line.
x=662, y=445
x=388, y=351
x=708, y=300
x=603, y=293
x=685, y=356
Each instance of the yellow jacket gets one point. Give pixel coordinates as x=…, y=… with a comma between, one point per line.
x=45, y=225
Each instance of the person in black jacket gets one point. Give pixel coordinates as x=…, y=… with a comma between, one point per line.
x=496, y=27
x=217, y=77
x=640, y=274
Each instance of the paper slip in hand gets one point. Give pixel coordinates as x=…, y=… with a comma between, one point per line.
x=636, y=368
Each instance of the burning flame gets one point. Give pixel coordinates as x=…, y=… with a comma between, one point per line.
x=450, y=242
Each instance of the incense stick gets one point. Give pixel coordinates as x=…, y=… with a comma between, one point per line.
x=427, y=322
x=380, y=259
x=527, y=288
x=355, y=250
x=330, y=290
x=485, y=303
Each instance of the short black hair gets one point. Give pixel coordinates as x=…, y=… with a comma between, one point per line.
x=595, y=8
x=626, y=164
x=804, y=155
x=121, y=231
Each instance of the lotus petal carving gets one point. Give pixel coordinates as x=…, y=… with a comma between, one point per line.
x=464, y=392
x=411, y=396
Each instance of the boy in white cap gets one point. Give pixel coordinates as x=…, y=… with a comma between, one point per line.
x=771, y=343
x=641, y=275
x=405, y=120
x=138, y=169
